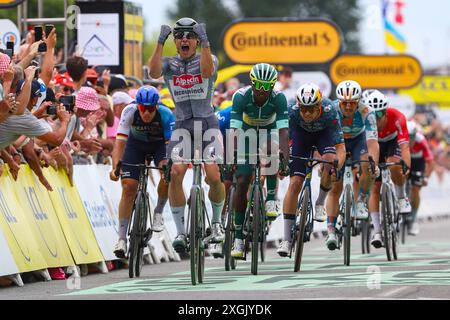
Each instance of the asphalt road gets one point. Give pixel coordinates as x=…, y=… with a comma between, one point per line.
x=421, y=272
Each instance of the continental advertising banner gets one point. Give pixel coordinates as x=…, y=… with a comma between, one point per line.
x=7, y=265
x=281, y=41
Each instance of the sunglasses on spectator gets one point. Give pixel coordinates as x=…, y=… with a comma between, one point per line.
x=143, y=108
x=380, y=114
x=262, y=85
x=185, y=34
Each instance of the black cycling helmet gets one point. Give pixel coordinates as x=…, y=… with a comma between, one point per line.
x=184, y=24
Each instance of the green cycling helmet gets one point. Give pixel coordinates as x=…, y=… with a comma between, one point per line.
x=263, y=76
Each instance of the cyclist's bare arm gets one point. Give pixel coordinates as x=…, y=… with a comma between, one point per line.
x=406, y=154
x=118, y=151
x=374, y=150
x=284, y=142
x=155, y=62
x=206, y=63
x=341, y=154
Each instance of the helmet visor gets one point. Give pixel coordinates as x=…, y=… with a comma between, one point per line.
x=262, y=85
x=185, y=34
x=143, y=108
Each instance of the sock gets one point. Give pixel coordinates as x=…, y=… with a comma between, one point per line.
x=123, y=228
x=217, y=208
x=400, y=191
x=289, y=220
x=272, y=182
x=178, y=217
x=376, y=222
x=322, y=195
x=160, y=205
x=238, y=222
x=331, y=222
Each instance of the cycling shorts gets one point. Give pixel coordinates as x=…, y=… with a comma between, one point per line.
x=417, y=171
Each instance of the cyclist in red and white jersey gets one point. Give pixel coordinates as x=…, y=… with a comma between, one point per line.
x=393, y=139
x=422, y=164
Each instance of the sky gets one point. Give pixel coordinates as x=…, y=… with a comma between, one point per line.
x=426, y=27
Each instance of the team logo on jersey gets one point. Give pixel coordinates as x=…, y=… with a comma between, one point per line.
x=187, y=81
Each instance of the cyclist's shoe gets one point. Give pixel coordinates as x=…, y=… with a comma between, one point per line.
x=377, y=241
x=404, y=207
x=284, y=249
x=271, y=210
x=238, y=249
x=321, y=214
x=362, y=213
x=218, y=234
x=414, y=230
x=179, y=244
x=331, y=240
x=216, y=250
x=120, y=249
x=158, y=222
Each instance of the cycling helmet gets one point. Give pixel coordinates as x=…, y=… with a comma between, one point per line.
x=377, y=101
x=348, y=90
x=309, y=94
x=365, y=94
x=264, y=72
x=147, y=96
x=412, y=128
x=184, y=24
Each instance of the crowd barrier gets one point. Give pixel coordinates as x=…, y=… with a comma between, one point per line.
x=79, y=225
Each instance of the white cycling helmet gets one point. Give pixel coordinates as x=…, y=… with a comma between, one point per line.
x=412, y=128
x=377, y=101
x=348, y=90
x=365, y=94
x=309, y=94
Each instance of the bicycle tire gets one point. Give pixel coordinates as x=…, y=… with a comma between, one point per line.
x=301, y=230
x=256, y=229
x=134, y=238
x=393, y=226
x=229, y=232
x=363, y=236
x=263, y=244
x=403, y=230
x=193, y=243
x=347, y=224
x=386, y=216
x=201, y=233
x=142, y=231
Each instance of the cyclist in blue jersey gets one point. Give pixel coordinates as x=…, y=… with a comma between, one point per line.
x=145, y=129
x=359, y=125
x=313, y=122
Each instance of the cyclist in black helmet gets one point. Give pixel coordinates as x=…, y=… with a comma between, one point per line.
x=190, y=78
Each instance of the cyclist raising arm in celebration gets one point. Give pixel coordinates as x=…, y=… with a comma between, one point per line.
x=145, y=128
x=394, y=145
x=258, y=107
x=314, y=122
x=422, y=164
x=359, y=126
x=190, y=78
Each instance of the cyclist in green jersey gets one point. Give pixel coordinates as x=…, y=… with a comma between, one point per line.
x=256, y=108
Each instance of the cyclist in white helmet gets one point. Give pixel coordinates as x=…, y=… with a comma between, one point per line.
x=393, y=139
x=359, y=125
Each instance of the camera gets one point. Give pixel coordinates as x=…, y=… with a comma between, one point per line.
x=38, y=34
x=51, y=110
x=68, y=102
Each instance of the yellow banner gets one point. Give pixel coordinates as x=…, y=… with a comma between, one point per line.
x=72, y=216
x=10, y=3
x=377, y=71
x=134, y=28
x=432, y=89
x=16, y=229
x=42, y=219
x=271, y=41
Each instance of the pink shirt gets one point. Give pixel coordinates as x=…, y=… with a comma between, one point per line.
x=111, y=132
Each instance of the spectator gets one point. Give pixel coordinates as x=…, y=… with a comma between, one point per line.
x=284, y=84
x=76, y=68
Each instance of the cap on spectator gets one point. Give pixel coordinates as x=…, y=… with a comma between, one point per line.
x=35, y=88
x=91, y=76
x=118, y=82
x=121, y=97
x=64, y=80
x=4, y=63
x=87, y=99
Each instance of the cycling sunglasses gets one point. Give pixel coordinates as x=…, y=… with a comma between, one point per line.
x=143, y=108
x=266, y=86
x=380, y=114
x=185, y=34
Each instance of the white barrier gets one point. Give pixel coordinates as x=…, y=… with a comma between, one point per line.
x=7, y=263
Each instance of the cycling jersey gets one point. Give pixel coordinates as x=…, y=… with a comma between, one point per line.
x=395, y=127
x=329, y=119
x=191, y=92
x=246, y=114
x=224, y=118
x=363, y=120
x=132, y=126
x=420, y=149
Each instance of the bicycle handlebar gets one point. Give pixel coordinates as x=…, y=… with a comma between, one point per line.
x=120, y=164
x=391, y=164
x=312, y=162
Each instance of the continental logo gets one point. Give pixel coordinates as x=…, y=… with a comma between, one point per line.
x=270, y=41
x=382, y=72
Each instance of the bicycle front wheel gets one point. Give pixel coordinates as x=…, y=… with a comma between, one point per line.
x=347, y=224
x=386, y=215
x=301, y=230
x=230, y=262
x=256, y=229
x=194, y=235
x=136, y=238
